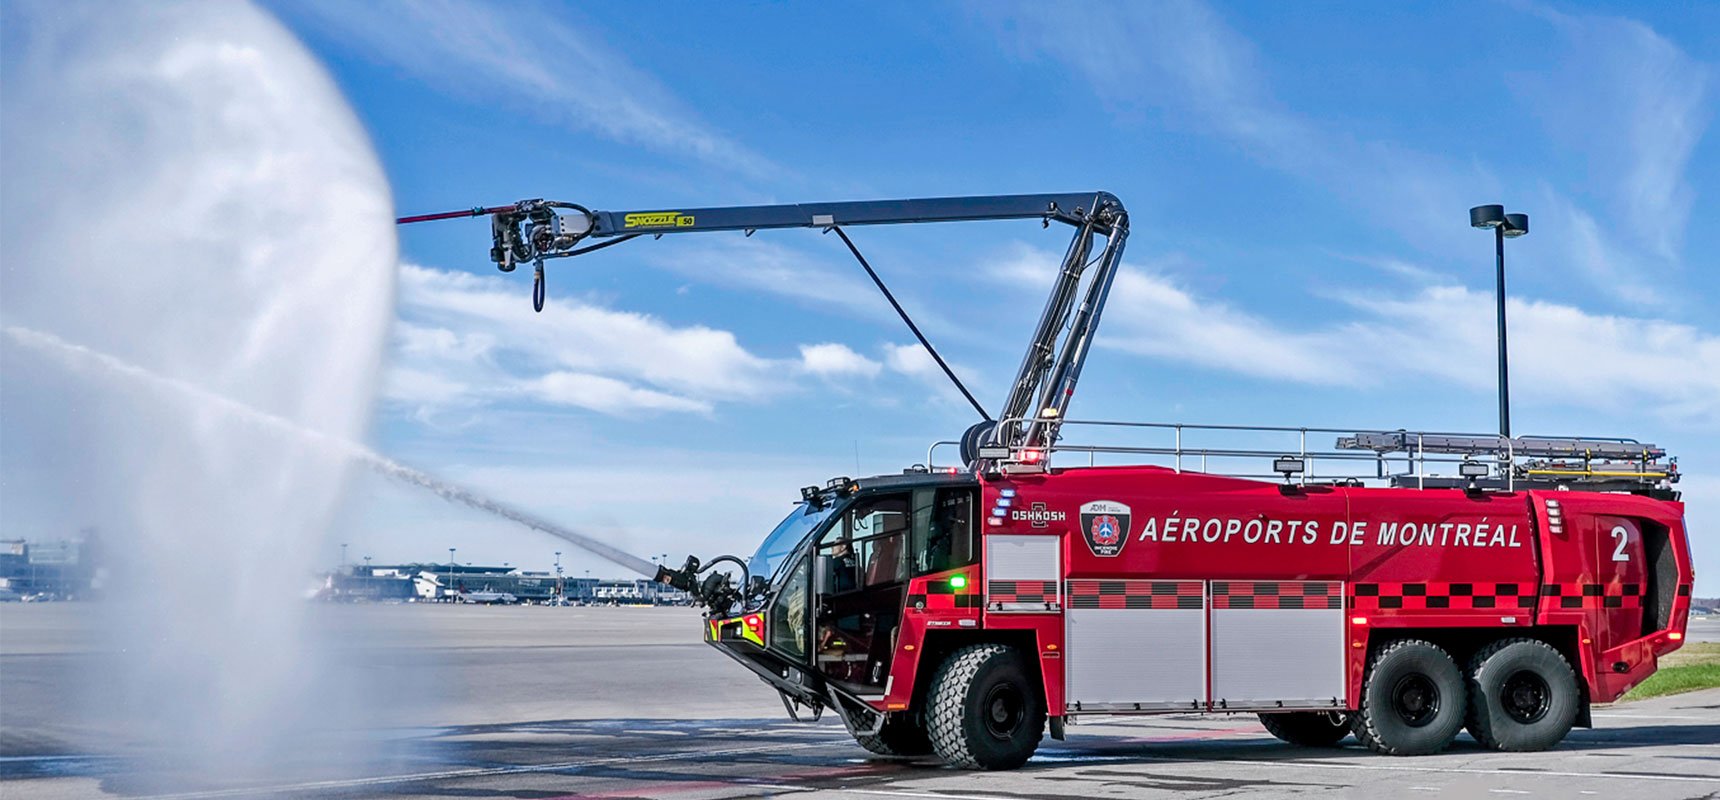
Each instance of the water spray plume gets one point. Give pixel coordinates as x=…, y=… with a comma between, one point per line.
x=78, y=356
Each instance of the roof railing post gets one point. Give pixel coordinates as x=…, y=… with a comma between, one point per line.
x=1179, y=448
x=1510, y=465
x=1307, y=463
x=1420, y=464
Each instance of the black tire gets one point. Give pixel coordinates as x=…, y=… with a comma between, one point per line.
x=985, y=710
x=1523, y=695
x=1308, y=728
x=901, y=737
x=1413, y=699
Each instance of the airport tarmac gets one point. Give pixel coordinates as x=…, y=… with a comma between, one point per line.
x=626, y=703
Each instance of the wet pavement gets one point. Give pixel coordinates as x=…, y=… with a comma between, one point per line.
x=623, y=703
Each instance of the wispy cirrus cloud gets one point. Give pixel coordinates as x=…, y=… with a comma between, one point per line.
x=1625, y=96
x=1183, y=59
x=1654, y=100
x=526, y=57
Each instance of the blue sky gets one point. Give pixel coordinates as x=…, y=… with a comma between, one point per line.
x=1297, y=177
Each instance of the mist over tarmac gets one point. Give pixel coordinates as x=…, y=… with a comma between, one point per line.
x=187, y=190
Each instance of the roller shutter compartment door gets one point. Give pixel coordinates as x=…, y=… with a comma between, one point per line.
x=1135, y=645
x=1277, y=644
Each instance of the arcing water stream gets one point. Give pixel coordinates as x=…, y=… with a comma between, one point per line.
x=189, y=196
x=200, y=400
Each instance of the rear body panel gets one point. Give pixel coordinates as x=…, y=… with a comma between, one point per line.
x=1185, y=591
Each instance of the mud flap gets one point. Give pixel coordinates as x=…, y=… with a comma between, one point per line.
x=1056, y=725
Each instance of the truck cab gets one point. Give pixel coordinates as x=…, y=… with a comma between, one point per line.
x=828, y=590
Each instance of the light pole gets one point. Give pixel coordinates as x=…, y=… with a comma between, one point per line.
x=447, y=591
x=1505, y=226
x=343, y=554
x=560, y=588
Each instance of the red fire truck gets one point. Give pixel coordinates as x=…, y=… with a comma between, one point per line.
x=1397, y=585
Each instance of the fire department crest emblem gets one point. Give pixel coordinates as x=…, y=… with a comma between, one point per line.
x=1105, y=524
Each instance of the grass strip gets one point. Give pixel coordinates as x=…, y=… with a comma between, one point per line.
x=1692, y=667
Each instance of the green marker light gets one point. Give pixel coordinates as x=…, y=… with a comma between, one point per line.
x=958, y=581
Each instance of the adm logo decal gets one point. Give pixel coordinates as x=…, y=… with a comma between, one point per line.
x=1105, y=524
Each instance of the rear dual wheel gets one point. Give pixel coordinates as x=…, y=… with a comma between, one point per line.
x=1517, y=694
x=1523, y=695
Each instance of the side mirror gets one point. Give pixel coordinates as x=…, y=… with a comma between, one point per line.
x=822, y=575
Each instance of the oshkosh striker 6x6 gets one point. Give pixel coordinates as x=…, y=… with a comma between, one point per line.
x=1423, y=583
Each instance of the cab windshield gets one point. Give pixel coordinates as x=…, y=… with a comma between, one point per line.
x=784, y=539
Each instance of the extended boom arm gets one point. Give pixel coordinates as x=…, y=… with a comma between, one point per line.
x=536, y=230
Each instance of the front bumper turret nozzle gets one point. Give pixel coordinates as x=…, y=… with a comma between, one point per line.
x=716, y=591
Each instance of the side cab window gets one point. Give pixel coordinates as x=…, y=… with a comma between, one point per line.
x=944, y=530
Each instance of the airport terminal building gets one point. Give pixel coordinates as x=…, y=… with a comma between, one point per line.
x=488, y=584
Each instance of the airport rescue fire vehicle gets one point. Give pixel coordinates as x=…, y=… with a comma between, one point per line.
x=1397, y=585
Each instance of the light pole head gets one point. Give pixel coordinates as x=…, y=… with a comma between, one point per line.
x=1516, y=225
x=1491, y=216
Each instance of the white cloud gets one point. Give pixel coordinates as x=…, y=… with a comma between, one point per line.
x=834, y=360
x=1148, y=315
x=912, y=360
x=423, y=388
x=466, y=340
x=569, y=334
x=1561, y=355
x=524, y=56
x=442, y=343
x=607, y=395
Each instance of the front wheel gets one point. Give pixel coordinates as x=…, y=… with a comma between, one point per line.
x=984, y=710
x=1522, y=695
x=1413, y=699
x=1308, y=728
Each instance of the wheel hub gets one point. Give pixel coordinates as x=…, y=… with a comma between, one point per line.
x=1004, y=711
x=1525, y=697
x=1416, y=700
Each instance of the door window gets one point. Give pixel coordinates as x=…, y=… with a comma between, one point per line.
x=865, y=548
x=862, y=572
x=788, y=614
